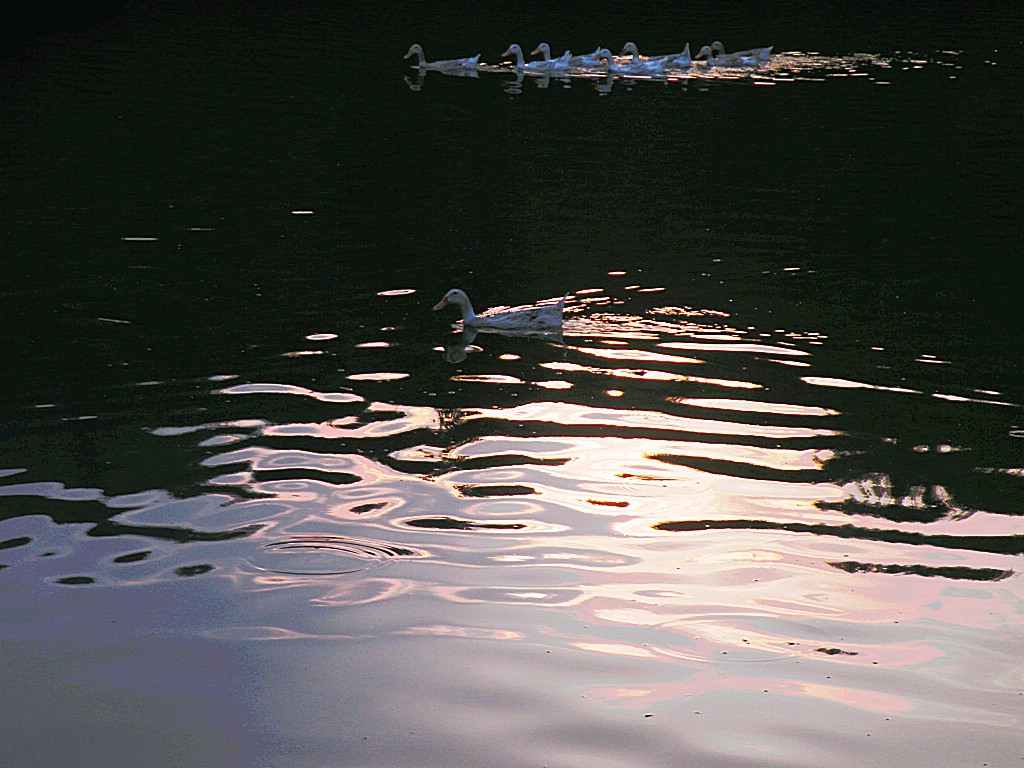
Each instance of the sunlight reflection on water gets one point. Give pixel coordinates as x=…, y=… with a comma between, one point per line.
x=758, y=471
x=734, y=531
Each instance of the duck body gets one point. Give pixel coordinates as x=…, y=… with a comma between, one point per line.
x=546, y=317
x=710, y=59
x=586, y=60
x=678, y=60
x=636, y=61
x=681, y=59
x=471, y=62
x=553, y=65
x=716, y=56
x=527, y=66
x=635, y=66
x=752, y=54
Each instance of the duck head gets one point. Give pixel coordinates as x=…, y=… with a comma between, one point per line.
x=454, y=296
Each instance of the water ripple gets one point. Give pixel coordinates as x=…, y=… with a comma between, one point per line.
x=325, y=555
x=570, y=414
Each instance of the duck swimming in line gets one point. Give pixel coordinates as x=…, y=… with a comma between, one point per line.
x=545, y=317
x=716, y=56
x=587, y=59
x=559, y=64
x=636, y=66
x=752, y=54
x=445, y=64
x=541, y=65
x=708, y=57
x=681, y=59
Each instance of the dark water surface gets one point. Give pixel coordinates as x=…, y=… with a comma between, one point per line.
x=760, y=505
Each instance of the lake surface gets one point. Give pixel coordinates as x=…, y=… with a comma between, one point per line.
x=759, y=504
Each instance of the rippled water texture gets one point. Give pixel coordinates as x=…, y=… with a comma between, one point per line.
x=757, y=504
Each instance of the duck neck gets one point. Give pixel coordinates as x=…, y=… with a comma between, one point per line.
x=468, y=315
x=421, y=59
x=612, y=66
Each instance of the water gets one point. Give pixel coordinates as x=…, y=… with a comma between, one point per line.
x=758, y=505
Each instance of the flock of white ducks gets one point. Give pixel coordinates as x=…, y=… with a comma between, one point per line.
x=629, y=62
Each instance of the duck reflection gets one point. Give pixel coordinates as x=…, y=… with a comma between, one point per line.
x=604, y=87
x=543, y=81
x=415, y=82
x=514, y=85
x=459, y=348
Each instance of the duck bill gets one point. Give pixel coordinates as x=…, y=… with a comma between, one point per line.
x=441, y=304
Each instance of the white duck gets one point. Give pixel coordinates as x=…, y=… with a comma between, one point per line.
x=681, y=59
x=711, y=60
x=446, y=64
x=555, y=65
x=546, y=317
x=752, y=54
x=522, y=64
x=635, y=66
x=716, y=56
x=586, y=60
